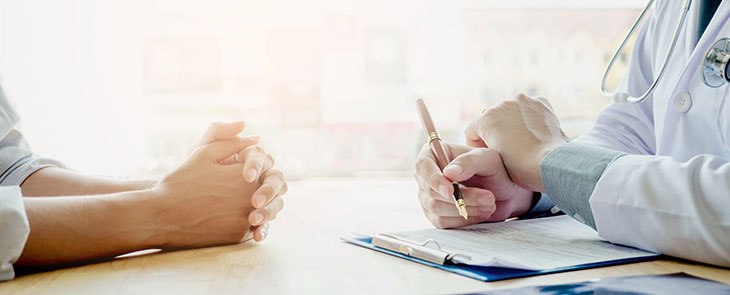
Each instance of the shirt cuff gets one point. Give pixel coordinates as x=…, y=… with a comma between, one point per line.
x=24, y=167
x=570, y=173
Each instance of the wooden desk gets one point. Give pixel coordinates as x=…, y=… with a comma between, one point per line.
x=304, y=255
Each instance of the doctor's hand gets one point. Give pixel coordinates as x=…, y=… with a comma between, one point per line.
x=523, y=130
x=258, y=166
x=489, y=193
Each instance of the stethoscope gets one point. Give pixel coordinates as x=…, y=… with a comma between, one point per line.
x=714, y=67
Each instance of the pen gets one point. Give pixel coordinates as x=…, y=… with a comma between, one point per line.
x=440, y=153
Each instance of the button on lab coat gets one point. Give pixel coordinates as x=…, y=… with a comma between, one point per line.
x=672, y=193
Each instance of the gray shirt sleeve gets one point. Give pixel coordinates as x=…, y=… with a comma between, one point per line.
x=570, y=173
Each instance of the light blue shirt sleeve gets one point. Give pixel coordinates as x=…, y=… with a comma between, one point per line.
x=17, y=161
x=541, y=206
x=14, y=229
x=570, y=173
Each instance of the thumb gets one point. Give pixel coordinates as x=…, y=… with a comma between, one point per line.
x=473, y=138
x=221, y=131
x=223, y=149
x=479, y=161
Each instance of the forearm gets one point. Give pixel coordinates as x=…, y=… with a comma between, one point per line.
x=61, y=182
x=66, y=229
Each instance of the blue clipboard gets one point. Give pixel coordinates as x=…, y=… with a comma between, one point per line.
x=488, y=273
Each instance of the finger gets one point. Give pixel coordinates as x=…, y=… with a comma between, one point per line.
x=266, y=213
x=448, y=209
x=429, y=175
x=478, y=197
x=269, y=163
x=248, y=236
x=222, y=149
x=222, y=130
x=473, y=197
x=273, y=185
x=454, y=222
x=479, y=161
x=253, y=158
x=252, y=140
x=260, y=232
x=473, y=136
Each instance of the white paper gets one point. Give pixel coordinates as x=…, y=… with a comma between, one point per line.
x=535, y=244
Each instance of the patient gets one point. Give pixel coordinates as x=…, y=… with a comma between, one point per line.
x=225, y=192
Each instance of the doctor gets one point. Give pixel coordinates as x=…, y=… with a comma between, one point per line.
x=653, y=174
x=225, y=192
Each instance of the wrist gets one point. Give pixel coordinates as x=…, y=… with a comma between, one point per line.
x=140, y=211
x=525, y=202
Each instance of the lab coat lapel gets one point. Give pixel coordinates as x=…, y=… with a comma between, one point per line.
x=668, y=119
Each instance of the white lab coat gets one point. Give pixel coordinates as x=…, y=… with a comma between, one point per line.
x=672, y=194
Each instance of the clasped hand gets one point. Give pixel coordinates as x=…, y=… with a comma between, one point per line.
x=499, y=169
x=225, y=192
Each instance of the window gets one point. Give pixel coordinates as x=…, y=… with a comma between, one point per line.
x=331, y=86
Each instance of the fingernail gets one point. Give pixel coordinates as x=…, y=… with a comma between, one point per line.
x=251, y=174
x=259, y=201
x=454, y=168
x=263, y=234
x=258, y=218
x=485, y=209
x=444, y=190
x=484, y=201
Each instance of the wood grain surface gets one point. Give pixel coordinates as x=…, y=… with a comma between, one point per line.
x=304, y=255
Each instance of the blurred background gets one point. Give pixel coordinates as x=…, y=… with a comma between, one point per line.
x=125, y=88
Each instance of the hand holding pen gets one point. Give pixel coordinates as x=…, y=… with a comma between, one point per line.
x=484, y=185
x=440, y=153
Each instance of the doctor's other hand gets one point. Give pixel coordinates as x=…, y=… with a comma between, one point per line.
x=489, y=193
x=258, y=166
x=523, y=130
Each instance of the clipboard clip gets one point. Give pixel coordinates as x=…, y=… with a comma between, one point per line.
x=416, y=250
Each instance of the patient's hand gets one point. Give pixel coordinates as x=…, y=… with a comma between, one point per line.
x=225, y=192
x=202, y=202
x=257, y=167
x=488, y=191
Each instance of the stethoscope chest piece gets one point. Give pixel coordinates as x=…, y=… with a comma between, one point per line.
x=714, y=67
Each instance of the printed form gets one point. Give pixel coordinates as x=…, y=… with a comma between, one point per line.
x=534, y=244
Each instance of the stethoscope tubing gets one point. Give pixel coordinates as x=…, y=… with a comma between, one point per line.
x=625, y=97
